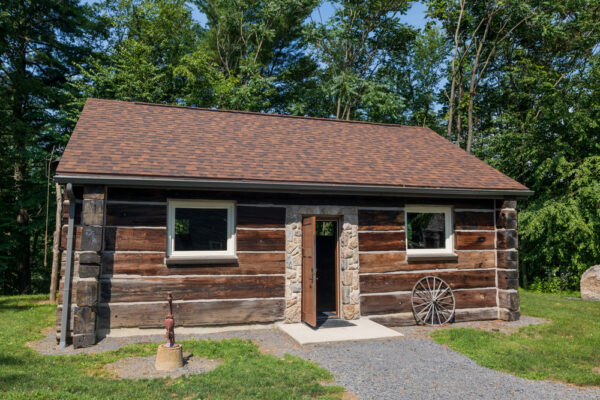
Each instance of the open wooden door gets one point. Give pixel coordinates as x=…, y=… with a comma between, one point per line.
x=309, y=271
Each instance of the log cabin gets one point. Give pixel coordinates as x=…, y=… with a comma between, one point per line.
x=257, y=218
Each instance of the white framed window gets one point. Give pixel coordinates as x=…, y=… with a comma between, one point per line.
x=198, y=229
x=429, y=230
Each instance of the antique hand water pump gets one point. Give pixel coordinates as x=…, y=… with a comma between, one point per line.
x=169, y=355
x=170, y=323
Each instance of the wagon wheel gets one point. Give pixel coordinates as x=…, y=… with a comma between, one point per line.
x=432, y=301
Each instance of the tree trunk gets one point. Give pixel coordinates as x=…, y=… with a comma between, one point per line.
x=23, y=250
x=453, y=80
x=56, y=244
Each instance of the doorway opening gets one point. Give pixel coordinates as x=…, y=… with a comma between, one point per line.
x=326, y=268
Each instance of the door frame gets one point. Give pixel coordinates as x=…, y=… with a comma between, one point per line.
x=338, y=235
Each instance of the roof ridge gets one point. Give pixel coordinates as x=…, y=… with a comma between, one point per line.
x=258, y=113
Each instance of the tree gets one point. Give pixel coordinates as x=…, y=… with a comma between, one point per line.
x=351, y=47
x=539, y=124
x=41, y=42
x=257, y=49
x=149, y=42
x=478, y=28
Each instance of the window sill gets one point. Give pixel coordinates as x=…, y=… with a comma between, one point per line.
x=179, y=260
x=432, y=257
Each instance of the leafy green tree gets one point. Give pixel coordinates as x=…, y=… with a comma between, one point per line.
x=258, y=50
x=351, y=47
x=539, y=124
x=149, y=42
x=41, y=41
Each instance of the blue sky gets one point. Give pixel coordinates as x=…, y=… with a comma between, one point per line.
x=415, y=15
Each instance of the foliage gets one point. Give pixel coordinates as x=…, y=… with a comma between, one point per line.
x=564, y=349
x=351, y=47
x=517, y=82
x=41, y=43
x=245, y=372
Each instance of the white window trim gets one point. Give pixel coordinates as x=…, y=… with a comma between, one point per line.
x=215, y=254
x=447, y=211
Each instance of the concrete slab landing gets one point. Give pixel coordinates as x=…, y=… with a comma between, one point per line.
x=363, y=329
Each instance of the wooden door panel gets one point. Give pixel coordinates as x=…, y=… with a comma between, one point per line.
x=309, y=270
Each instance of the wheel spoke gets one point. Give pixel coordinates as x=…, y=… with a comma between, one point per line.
x=432, y=301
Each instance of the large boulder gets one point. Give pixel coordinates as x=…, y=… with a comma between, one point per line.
x=590, y=283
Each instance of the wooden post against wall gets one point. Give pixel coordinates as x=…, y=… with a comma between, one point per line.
x=56, y=245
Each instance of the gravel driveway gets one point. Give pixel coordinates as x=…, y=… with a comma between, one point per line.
x=410, y=367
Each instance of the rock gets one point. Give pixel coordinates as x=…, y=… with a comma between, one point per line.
x=590, y=283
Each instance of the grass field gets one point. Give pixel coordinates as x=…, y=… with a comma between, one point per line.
x=245, y=372
x=567, y=349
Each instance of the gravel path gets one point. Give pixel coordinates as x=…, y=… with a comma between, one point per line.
x=409, y=367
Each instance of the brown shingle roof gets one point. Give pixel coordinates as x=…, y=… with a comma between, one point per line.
x=147, y=140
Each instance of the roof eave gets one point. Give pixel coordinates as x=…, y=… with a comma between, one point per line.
x=289, y=187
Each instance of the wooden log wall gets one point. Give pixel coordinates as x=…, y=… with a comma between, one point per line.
x=135, y=278
x=387, y=279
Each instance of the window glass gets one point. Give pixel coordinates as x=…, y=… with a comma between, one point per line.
x=426, y=230
x=200, y=229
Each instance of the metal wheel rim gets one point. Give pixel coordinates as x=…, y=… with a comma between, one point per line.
x=432, y=301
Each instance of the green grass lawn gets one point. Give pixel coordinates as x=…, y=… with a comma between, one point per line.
x=245, y=372
x=567, y=349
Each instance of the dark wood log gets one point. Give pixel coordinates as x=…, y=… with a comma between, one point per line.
x=84, y=320
x=382, y=262
x=507, y=204
x=508, y=259
x=191, y=288
x=477, y=298
x=259, y=240
x=86, y=293
x=136, y=215
x=91, y=238
x=92, y=212
x=508, y=315
x=381, y=241
x=260, y=217
x=398, y=303
x=93, y=191
x=153, y=264
x=135, y=239
x=507, y=239
x=474, y=240
x=380, y=220
x=390, y=262
x=385, y=304
x=508, y=279
x=473, y=220
x=476, y=314
x=507, y=219
x=111, y=316
x=467, y=204
x=508, y=300
x=65, y=213
x=136, y=194
x=76, y=233
x=392, y=320
x=463, y=279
